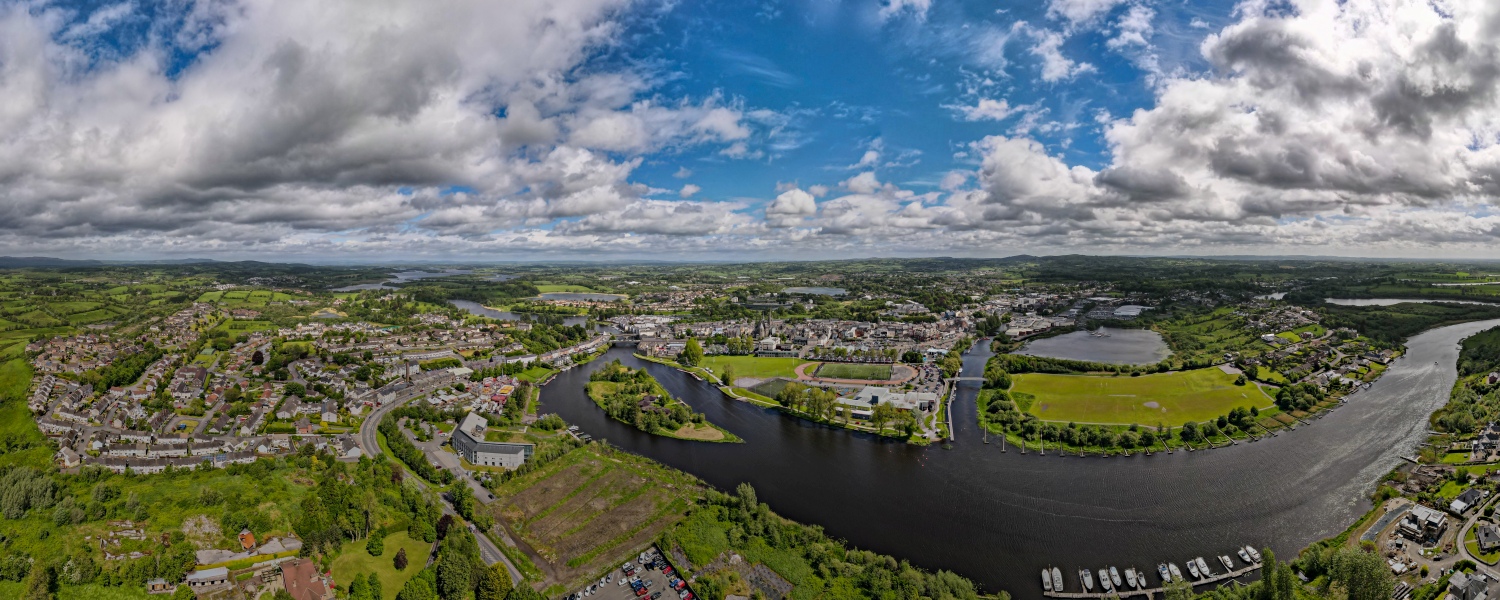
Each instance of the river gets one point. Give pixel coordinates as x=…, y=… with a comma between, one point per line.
x=1000, y=517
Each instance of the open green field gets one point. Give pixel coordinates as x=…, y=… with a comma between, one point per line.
x=353, y=560
x=852, y=371
x=1173, y=398
x=592, y=507
x=752, y=366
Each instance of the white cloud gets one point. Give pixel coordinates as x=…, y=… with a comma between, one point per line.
x=1080, y=12
x=1134, y=28
x=863, y=183
x=890, y=9
x=683, y=173
x=688, y=190
x=1055, y=67
x=985, y=110
x=818, y=190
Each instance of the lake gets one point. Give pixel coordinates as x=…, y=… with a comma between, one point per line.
x=1122, y=346
x=1393, y=301
x=401, y=277
x=816, y=291
x=476, y=308
x=999, y=517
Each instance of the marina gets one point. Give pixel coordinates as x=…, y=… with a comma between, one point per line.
x=1134, y=583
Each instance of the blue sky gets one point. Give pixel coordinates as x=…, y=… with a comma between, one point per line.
x=345, y=130
x=849, y=77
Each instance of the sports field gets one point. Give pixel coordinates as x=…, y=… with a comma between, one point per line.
x=754, y=366
x=852, y=371
x=1171, y=398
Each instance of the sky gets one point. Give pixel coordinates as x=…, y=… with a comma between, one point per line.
x=378, y=130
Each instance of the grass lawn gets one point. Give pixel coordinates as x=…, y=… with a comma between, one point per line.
x=1265, y=374
x=704, y=432
x=853, y=371
x=752, y=366
x=535, y=374
x=1456, y=458
x=1471, y=541
x=353, y=559
x=1290, y=337
x=1173, y=398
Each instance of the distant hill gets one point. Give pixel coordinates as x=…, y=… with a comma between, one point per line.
x=28, y=262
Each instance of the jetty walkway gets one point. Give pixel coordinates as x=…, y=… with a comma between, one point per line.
x=1150, y=592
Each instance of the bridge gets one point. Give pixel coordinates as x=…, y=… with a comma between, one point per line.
x=979, y=379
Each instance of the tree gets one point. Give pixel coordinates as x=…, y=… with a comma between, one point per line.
x=376, y=544
x=494, y=584
x=400, y=560
x=376, y=593
x=1363, y=574
x=1177, y=590
x=359, y=589
x=692, y=354
x=524, y=592
x=184, y=593
x=454, y=570
x=882, y=414
x=41, y=584
x=1240, y=380
x=728, y=376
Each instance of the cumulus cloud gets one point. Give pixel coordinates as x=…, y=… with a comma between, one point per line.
x=1080, y=12
x=688, y=190
x=1047, y=46
x=985, y=110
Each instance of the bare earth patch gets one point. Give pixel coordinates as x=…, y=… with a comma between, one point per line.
x=693, y=431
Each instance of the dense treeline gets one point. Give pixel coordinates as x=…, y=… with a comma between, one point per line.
x=1392, y=325
x=1480, y=353
x=816, y=564
x=409, y=454
x=123, y=371
x=1018, y=363
x=442, y=289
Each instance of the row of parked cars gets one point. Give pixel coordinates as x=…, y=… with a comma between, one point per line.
x=634, y=574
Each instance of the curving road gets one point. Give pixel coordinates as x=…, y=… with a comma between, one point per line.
x=370, y=445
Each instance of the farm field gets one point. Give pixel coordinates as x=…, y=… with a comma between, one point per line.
x=353, y=560
x=853, y=371
x=1172, y=398
x=752, y=366
x=592, y=507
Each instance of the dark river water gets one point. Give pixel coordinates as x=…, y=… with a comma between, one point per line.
x=1116, y=346
x=1000, y=517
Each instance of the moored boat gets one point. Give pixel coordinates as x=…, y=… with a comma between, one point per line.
x=1087, y=578
x=1228, y=564
x=1203, y=568
x=1245, y=556
x=1046, y=580
x=1104, y=581
x=1254, y=554
x=1193, y=568
x=1057, y=585
x=1130, y=577
x=1176, y=572
x=1161, y=570
x=1114, y=577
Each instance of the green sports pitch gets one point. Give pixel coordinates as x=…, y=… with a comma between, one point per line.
x=1170, y=398
x=854, y=371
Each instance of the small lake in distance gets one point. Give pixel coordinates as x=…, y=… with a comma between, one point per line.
x=1116, y=346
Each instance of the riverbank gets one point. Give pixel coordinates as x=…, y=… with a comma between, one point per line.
x=745, y=395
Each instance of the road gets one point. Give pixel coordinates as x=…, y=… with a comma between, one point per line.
x=1463, y=549
x=371, y=447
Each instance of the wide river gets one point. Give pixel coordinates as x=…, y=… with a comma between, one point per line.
x=1000, y=517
